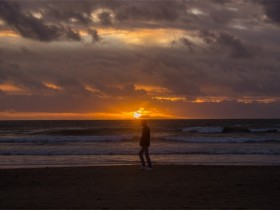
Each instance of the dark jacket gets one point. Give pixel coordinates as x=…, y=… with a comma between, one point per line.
x=145, y=137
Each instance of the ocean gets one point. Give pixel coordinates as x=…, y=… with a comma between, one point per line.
x=29, y=144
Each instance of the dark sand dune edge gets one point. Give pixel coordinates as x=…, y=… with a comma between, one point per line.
x=125, y=187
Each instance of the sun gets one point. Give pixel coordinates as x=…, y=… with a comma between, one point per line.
x=137, y=115
x=140, y=114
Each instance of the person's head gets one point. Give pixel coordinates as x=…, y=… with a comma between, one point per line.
x=143, y=122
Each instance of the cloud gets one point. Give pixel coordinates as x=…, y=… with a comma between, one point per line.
x=72, y=13
x=226, y=41
x=13, y=72
x=232, y=60
x=105, y=18
x=127, y=90
x=115, y=72
x=94, y=35
x=33, y=28
x=153, y=10
x=187, y=43
x=208, y=36
x=272, y=9
x=236, y=46
x=225, y=110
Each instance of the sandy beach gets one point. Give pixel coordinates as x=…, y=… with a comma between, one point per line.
x=125, y=187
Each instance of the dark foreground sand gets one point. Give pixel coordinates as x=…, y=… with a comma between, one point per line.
x=125, y=187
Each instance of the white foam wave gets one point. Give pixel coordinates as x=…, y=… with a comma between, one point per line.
x=221, y=129
x=189, y=139
x=263, y=130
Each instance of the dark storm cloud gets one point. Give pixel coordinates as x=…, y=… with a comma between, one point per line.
x=113, y=76
x=220, y=49
x=13, y=72
x=114, y=72
x=150, y=10
x=223, y=16
x=105, y=18
x=30, y=27
x=60, y=17
x=237, y=48
x=94, y=35
x=226, y=109
x=53, y=103
x=208, y=36
x=176, y=71
x=61, y=11
x=55, y=11
x=221, y=1
x=212, y=73
x=272, y=9
x=187, y=43
x=127, y=90
x=106, y=71
x=80, y=12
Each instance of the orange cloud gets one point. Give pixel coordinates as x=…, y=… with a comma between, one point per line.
x=52, y=86
x=11, y=89
x=142, y=37
x=8, y=33
x=169, y=98
x=152, y=90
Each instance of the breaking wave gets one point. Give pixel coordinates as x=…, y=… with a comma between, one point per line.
x=65, y=139
x=222, y=129
x=188, y=139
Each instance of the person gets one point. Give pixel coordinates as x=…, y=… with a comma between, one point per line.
x=144, y=144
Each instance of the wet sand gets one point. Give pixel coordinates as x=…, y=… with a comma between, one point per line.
x=125, y=187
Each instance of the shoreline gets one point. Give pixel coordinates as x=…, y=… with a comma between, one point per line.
x=22, y=167
x=54, y=161
x=125, y=187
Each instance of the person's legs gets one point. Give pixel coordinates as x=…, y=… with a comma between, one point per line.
x=141, y=156
x=146, y=150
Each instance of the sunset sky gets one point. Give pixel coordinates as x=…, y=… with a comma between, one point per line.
x=108, y=59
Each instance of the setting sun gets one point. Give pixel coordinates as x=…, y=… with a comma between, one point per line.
x=143, y=113
x=140, y=113
x=137, y=115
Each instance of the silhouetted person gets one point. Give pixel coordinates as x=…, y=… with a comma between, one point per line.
x=145, y=143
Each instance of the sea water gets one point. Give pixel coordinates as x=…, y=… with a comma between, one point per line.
x=116, y=142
